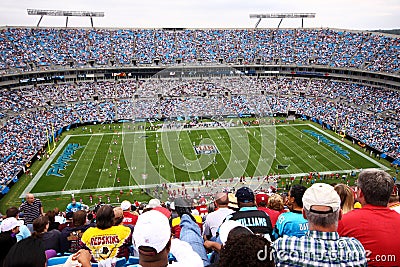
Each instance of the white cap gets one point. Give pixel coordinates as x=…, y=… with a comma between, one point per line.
x=226, y=227
x=321, y=194
x=10, y=223
x=153, y=203
x=152, y=230
x=125, y=205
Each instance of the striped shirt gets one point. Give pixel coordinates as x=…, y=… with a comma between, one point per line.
x=319, y=249
x=31, y=211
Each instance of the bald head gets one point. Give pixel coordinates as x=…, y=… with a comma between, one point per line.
x=221, y=199
x=30, y=198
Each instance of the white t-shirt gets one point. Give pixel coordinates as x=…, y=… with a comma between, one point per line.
x=214, y=220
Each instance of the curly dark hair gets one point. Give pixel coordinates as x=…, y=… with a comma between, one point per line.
x=297, y=191
x=243, y=251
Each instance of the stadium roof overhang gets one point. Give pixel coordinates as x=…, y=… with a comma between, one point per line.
x=281, y=16
x=62, y=13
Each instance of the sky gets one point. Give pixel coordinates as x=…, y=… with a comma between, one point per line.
x=341, y=14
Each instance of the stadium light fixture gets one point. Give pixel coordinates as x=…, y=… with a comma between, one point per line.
x=281, y=16
x=62, y=13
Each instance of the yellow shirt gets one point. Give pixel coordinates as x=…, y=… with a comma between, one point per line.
x=108, y=243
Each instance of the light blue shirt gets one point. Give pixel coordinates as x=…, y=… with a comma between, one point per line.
x=190, y=232
x=73, y=208
x=23, y=233
x=290, y=224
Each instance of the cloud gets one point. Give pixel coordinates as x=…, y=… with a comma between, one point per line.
x=355, y=14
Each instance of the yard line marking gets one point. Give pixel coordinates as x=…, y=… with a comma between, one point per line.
x=77, y=162
x=328, y=151
x=353, y=149
x=108, y=155
x=91, y=161
x=42, y=170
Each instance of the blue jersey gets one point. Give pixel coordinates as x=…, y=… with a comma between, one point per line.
x=73, y=208
x=290, y=224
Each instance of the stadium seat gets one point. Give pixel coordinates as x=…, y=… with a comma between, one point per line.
x=57, y=260
x=133, y=260
x=120, y=263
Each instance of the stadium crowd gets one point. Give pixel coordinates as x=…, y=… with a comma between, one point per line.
x=365, y=113
x=323, y=225
x=27, y=49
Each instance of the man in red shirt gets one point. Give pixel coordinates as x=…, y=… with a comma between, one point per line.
x=129, y=217
x=374, y=225
x=261, y=202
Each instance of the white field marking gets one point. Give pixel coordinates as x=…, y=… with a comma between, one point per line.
x=91, y=161
x=330, y=151
x=322, y=165
x=119, y=157
x=383, y=167
x=61, y=145
x=106, y=161
x=77, y=162
x=226, y=163
x=42, y=170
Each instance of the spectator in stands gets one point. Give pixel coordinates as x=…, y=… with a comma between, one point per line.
x=71, y=235
x=83, y=256
x=24, y=232
x=229, y=229
x=214, y=219
x=152, y=204
x=394, y=203
x=129, y=217
x=244, y=250
x=275, y=202
x=32, y=208
x=346, y=195
x=261, y=202
x=292, y=223
x=51, y=239
x=68, y=221
x=248, y=214
x=58, y=216
x=375, y=225
x=164, y=211
x=28, y=252
x=183, y=206
x=9, y=230
x=74, y=206
x=154, y=246
x=233, y=205
x=190, y=232
x=106, y=241
x=52, y=223
x=118, y=216
x=321, y=207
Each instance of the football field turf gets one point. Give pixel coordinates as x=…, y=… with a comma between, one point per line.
x=119, y=160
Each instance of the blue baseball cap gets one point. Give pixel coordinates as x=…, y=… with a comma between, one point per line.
x=244, y=195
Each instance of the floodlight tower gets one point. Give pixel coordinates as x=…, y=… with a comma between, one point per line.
x=61, y=13
x=281, y=16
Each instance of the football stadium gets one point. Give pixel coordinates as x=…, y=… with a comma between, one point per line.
x=178, y=116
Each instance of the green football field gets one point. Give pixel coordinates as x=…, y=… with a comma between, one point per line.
x=118, y=160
